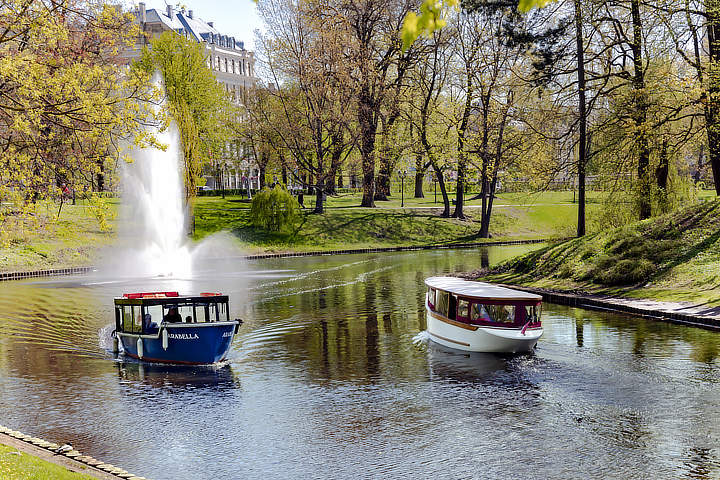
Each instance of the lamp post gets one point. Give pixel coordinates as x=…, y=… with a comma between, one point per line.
x=402, y=174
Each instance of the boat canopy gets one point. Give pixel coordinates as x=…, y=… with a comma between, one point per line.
x=479, y=290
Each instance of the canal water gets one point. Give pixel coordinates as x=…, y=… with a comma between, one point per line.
x=330, y=377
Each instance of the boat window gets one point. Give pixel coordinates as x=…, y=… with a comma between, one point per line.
x=501, y=313
x=532, y=313
x=431, y=296
x=443, y=302
x=478, y=313
x=132, y=319
x=452, y=308
x=202, y=314
x=212, y=312
x=223, y=312
x=155, y=312
x=462, y=309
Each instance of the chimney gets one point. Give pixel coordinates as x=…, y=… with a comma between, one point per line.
x=190, y=13
x=143, y=14
x=170, y=11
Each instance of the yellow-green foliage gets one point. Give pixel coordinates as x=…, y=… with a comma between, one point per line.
x=274, y=210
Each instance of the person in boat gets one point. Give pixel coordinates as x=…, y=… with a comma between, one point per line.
x=148, y=325
x=173, y=316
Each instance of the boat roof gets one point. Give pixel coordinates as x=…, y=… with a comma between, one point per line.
x=168, y=298
x=486, y=291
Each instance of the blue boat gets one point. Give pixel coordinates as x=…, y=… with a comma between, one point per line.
x=168, y=328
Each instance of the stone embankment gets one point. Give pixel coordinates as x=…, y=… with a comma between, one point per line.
x=64, y=455
x=676, y=312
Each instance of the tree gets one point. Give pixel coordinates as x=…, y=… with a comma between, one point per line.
x=304, y=50
x=195, y=100
x=64, y=103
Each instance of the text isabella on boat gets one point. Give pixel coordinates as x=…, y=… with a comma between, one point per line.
x=165, y=327
x=481, y=317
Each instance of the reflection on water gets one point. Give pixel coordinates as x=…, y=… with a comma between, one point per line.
x=331, y=376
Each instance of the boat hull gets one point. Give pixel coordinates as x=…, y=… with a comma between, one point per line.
x=476, y=338
x=193, y=344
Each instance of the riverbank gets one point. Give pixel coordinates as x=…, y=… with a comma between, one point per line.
x=672, y=258
x=74, y=238
x=23, y=457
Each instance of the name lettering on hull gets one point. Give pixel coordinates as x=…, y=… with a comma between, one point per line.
x=183, y=336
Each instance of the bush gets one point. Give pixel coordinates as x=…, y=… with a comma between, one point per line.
x=274, y=210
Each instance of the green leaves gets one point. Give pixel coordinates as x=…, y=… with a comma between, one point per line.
x=432, y=18
x=274, y=210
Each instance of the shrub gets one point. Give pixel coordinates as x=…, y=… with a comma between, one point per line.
x=274, y=210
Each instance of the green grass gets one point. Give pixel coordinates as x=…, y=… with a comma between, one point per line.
x=346, y=226
x=15, y=465
x=75, y=238
x=671, y=257
x=42, y=240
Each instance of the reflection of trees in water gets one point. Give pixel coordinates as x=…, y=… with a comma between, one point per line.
x=640, y=336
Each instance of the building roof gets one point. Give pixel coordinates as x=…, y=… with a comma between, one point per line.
x=479, y=290
x=199, y=29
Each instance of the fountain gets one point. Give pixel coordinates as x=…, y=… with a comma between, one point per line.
x=155, y=217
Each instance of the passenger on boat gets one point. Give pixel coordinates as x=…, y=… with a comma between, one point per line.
x=188, y=319
x=148, y=325
x=173, y=316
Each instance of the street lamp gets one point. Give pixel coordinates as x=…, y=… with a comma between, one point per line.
x=402, y=174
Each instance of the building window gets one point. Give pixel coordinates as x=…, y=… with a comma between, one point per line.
x=226, y=69
x=233, y=66
x=217, y=64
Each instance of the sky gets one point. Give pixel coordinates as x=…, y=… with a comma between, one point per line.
x=235, y=18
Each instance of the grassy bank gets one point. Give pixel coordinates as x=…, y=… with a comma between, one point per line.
x=74, y=238
x=45, y=239
x=16, y=465
x=675, y=257
x=346, y=226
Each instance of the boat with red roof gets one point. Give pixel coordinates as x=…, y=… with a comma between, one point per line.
x=169, y=328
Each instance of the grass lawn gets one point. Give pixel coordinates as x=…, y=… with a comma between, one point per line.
x=16, y=465
x=674, y=257
x=45, y=240
x=74, y=238
x=344, y=225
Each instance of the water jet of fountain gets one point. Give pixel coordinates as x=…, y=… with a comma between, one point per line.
x=155, y=217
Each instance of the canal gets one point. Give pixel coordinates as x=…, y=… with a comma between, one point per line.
x=331, y=377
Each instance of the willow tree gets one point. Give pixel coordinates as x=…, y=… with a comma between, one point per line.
x=196, y=102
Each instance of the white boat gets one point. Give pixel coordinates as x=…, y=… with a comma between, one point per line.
x=481, y=317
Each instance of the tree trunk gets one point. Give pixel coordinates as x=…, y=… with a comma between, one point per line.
x=419, y=184
x=663, y=169
x=462, y=159
x=368, y=128
x=284, y=175
x=443, y=191
x=319, y=194
x=712, y=103
x=640, y=114
x=261, y=180
x=582, y=156
x=340, y=178
x=382, y=182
